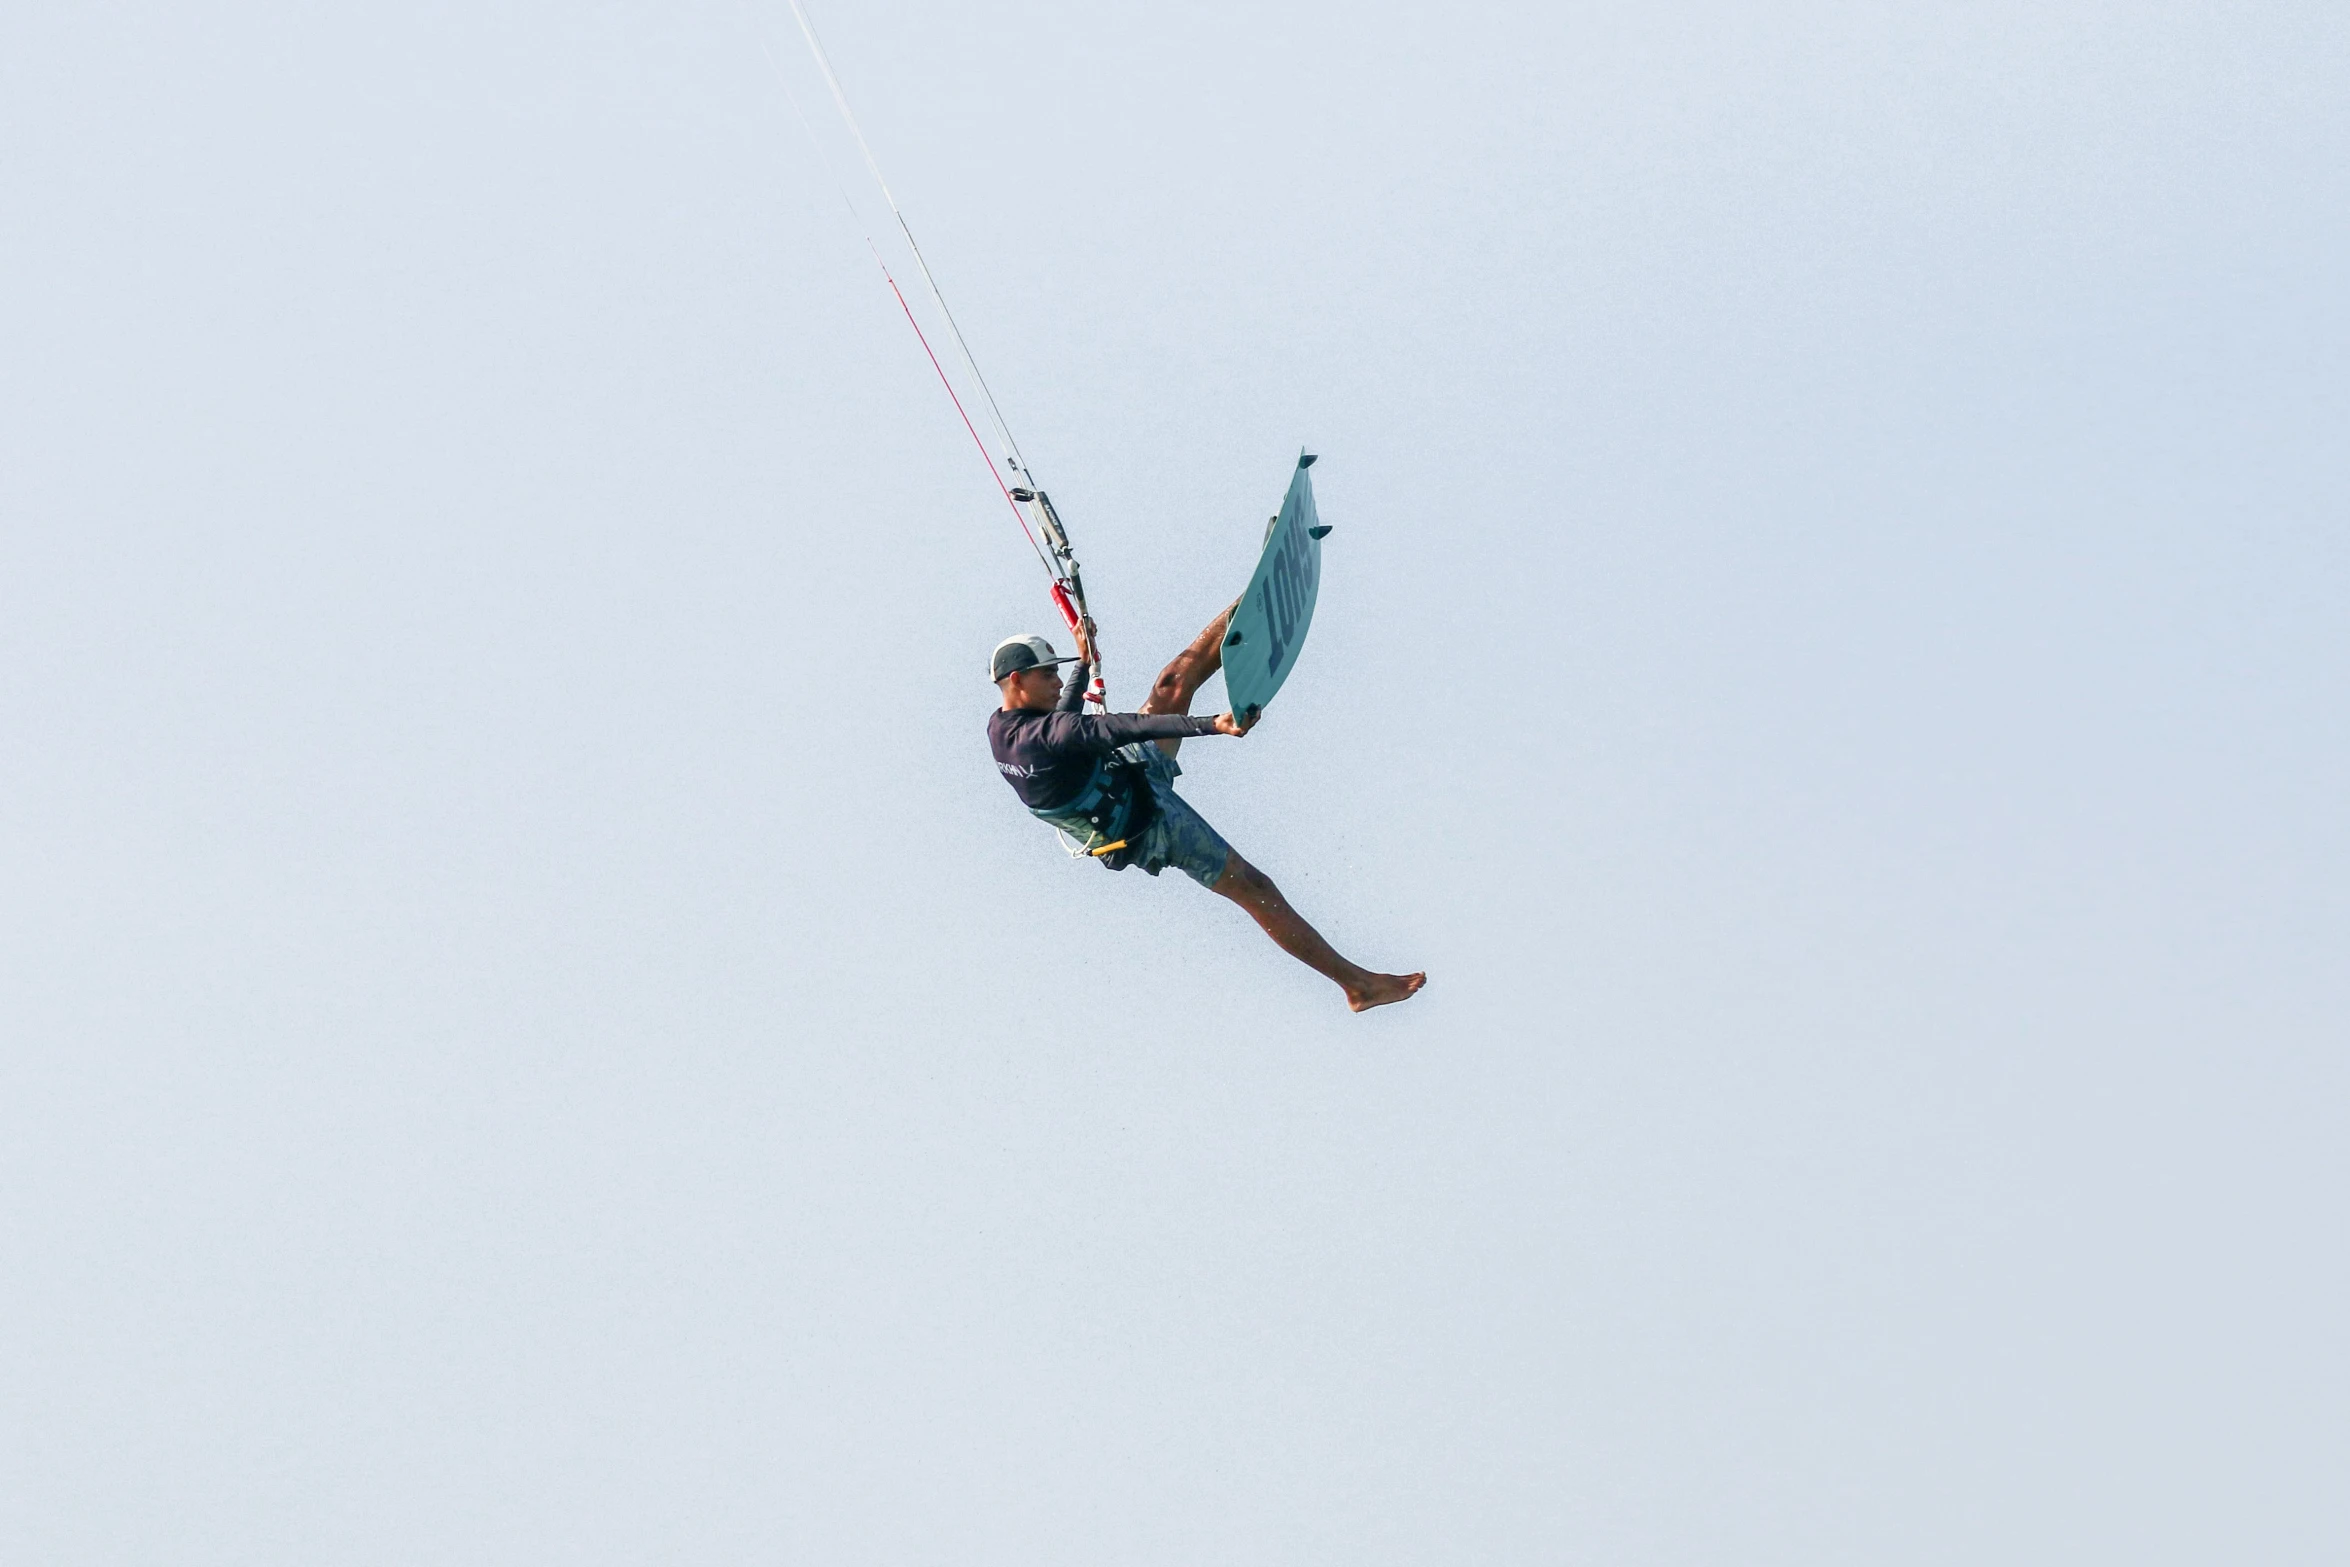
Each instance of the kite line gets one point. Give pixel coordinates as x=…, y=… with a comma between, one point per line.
x=1026, y=498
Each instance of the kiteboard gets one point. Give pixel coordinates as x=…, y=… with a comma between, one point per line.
x=1270, y=625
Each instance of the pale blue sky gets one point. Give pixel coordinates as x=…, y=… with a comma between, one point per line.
x=532, y=1031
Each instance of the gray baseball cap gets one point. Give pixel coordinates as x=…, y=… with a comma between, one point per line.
x=1014, y=654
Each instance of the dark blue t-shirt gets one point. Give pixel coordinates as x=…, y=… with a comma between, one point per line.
x=1047, y=757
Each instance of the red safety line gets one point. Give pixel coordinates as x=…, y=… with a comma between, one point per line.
x=1017, y=514
x=1098, y=695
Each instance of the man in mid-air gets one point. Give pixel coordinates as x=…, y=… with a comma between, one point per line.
x=1101, y=779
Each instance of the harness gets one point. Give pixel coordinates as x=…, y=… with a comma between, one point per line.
x=1117, y=806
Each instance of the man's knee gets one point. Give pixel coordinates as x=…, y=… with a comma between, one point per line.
x=1172, y=691
x=1243, y=880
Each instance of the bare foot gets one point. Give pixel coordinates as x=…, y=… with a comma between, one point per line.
x=1376, y=990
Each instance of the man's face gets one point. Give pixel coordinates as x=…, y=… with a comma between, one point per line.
x=1034, y=688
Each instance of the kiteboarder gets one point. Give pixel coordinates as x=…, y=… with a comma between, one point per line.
x=1108, y=780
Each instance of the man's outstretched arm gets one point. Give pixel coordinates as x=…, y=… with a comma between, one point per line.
x=1070, y=726
x=1108, y=731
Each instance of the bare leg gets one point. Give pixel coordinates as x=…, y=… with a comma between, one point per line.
x=1254, y=891
x=1180, y=681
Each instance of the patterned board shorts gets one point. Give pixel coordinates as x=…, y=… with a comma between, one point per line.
x=1178, y=835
